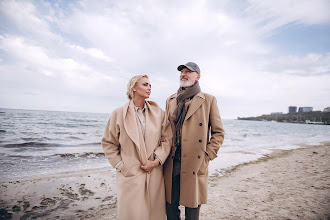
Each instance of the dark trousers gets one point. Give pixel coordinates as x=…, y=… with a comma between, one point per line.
x=172, y=210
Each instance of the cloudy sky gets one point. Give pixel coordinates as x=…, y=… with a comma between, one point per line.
x=256, y=56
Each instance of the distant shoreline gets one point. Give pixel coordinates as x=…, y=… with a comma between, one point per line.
x=314, y=117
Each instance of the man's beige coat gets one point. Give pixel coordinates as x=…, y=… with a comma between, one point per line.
x=140, y=195
x=197, y=148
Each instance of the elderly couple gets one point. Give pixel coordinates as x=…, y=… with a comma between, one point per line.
x=161, y=157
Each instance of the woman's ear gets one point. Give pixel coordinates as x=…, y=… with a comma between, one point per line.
x=133, y=88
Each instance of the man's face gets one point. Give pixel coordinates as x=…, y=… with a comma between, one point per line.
x=188, y=78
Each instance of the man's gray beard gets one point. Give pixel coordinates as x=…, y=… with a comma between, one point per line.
x=187, y=83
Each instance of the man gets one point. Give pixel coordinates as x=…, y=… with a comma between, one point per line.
x=194, y=116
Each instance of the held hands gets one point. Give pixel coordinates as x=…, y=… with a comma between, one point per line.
x=150, y=165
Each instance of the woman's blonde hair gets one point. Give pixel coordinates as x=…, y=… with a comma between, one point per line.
x=131, y=83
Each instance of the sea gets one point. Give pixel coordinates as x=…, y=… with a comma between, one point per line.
x=35, y=143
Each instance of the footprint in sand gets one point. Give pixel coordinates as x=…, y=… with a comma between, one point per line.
x=69, y=194
x=48, y=202
x=83, y=191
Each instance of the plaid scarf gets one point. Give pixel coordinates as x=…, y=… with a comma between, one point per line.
x=183, y=98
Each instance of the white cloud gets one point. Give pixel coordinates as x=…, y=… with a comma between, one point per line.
x=38, y=59
x=270, y=15
x=27, y=19
x=309, y=65
x=93, y=52
x=88, y=50
x=303, y=11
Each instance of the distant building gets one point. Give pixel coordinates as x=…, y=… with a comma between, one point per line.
x=326, y=109
x=305, y=109
x=292, y=109
x=276, y=113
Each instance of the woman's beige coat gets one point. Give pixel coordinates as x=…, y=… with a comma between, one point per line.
x=202, y=136
x=140, y=195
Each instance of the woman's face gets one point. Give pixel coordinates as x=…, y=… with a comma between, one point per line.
x=142, y=88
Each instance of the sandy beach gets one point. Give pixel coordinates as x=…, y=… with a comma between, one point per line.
x=66, y=196
x=292, y=184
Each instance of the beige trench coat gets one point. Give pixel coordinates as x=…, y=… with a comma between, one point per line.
x=140, y=195
x=197, y=148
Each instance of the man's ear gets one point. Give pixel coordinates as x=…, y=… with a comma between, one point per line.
x=199, y=76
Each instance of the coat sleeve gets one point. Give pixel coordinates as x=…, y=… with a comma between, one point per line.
x=110, y=140
x=163, y=150
x=217, y=131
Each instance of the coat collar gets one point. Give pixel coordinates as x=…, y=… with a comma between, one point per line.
x=196, y=102
x=174, y=96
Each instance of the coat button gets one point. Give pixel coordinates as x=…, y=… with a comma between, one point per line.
x=200, y=141
x=199, y=156
x=193, y=173
x=172, y=157
x=200, y=124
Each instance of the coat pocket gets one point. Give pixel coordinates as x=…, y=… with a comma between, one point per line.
x=203, y=169
x=127, y=164
x=132, y=167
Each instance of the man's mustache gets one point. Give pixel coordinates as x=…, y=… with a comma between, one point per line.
x=182, y=77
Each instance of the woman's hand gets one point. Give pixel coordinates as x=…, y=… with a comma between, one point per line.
x=150, y=165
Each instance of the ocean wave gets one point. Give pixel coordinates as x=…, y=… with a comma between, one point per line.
x=82, y=120
x=30, y=144
x=20, y=157
x=87, y=144
x=34, y=139
x=81, y=155
x=60, y=132
x=74, y=138
x=61, y=125
x=40, y=145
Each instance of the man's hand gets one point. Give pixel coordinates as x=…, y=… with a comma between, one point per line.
x=150, y=165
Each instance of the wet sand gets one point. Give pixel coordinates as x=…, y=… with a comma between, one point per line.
x=65, y=196
x=292, y=184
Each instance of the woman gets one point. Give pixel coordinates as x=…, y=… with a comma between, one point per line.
x=131, y=144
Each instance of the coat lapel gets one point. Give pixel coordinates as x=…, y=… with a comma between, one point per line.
x=130, y=125
x=172, y=104
x=153, y=123
x=196, y=102
x=133, y=130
